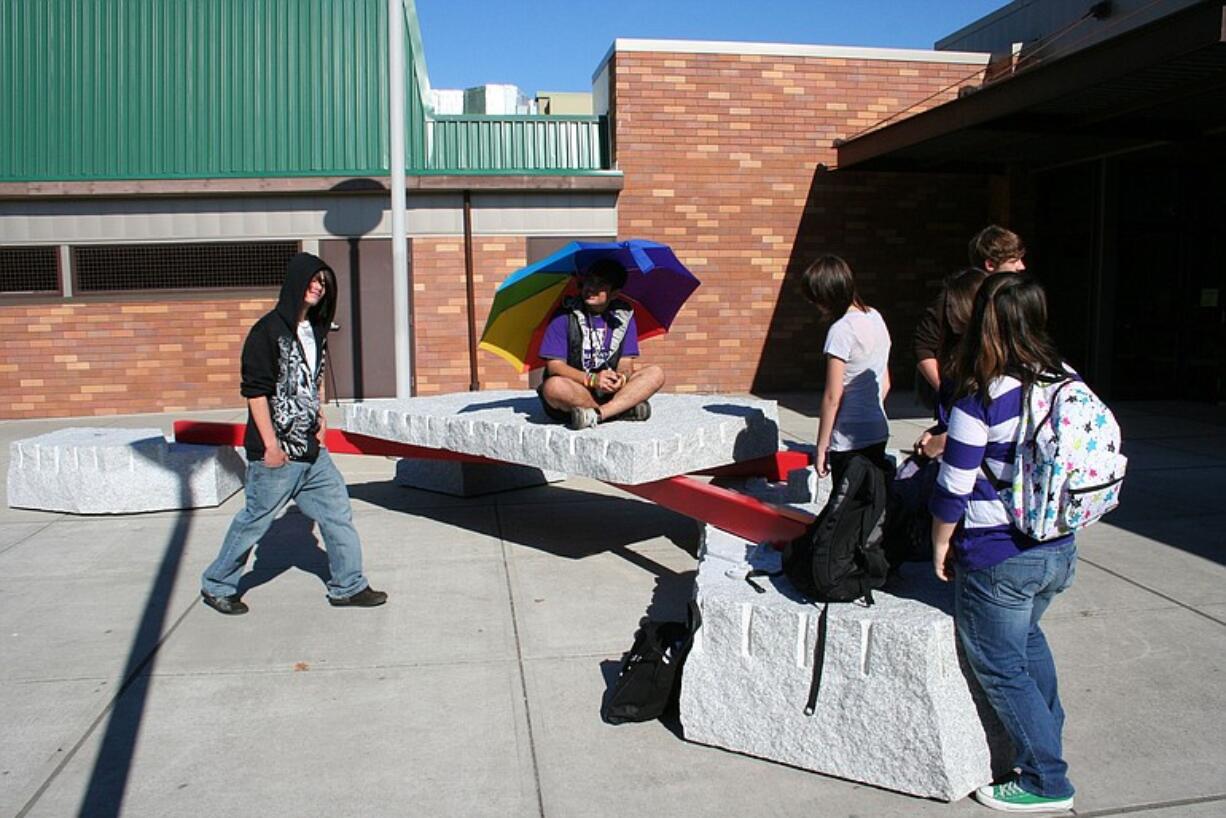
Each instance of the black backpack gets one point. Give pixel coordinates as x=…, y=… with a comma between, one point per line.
x=839, y=558
x=649, y=681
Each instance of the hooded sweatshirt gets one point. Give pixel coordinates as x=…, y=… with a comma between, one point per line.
x=275, y=366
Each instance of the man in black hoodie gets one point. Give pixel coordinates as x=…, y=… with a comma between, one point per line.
x=283, y=369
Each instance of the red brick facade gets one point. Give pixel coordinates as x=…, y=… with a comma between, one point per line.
x=108, y=358
x=440, y=311
x=721, y=158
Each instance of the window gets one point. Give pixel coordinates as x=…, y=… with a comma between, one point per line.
x=125, y=267
x=29, y=270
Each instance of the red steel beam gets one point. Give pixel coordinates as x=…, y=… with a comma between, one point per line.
x=737, y=513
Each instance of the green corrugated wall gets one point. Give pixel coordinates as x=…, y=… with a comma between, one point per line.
x=146, y=89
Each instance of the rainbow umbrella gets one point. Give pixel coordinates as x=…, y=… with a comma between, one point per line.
x=657, y=284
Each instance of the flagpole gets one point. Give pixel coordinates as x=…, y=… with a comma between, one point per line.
x=400, y=252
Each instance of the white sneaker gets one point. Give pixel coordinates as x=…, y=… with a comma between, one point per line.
x=1010, y=797
x=583, y=418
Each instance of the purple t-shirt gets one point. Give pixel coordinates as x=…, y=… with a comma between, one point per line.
x=554, y=345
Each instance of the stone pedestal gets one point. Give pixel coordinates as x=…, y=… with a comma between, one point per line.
x=801, y=488
x=469, y=479
x=686, y=433
x=897, y=707
x=119, y=471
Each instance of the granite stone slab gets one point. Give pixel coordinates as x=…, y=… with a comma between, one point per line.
x=686, y=433
x=469, y=479
x=897, y=708
x=801, y=488
x=119, y=471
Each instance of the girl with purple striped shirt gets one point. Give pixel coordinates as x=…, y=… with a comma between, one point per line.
x=1003, y=579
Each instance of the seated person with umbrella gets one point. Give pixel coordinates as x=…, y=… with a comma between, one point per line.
x=588, y=348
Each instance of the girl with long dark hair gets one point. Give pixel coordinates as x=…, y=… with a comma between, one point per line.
x=1003, y=579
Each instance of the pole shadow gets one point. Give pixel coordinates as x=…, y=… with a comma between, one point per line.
x=108, y=780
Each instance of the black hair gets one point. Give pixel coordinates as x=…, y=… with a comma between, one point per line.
x=828, y=284
x=609, y=270
x=1007, y=335
x=957, y=304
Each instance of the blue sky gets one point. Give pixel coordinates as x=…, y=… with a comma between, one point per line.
x=555, y=45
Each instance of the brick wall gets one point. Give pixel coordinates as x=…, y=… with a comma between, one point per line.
x=440, y=313
x=105, y=358
x=721, y=157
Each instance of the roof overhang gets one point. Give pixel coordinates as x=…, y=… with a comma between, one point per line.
x=1163, y=83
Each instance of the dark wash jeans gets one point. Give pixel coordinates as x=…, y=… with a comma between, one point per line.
x=997, y=610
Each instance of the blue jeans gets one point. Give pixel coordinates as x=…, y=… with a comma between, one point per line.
x=320, y=492
x=997, y=610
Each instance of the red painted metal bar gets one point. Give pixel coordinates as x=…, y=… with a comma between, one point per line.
x=337, y=441
x=737, y=513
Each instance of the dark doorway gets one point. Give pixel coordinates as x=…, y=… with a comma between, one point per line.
x=1169, y=334
x=363, y=359
x=1130, y=251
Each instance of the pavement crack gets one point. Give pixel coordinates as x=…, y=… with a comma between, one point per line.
x=27, y=537
x=519, y=661
x=1136, y=809
x=106, y=711
x=1153, y=591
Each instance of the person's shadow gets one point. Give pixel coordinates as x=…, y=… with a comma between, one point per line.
x=289, y=543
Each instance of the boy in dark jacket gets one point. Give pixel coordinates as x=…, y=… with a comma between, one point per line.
x=283, y=369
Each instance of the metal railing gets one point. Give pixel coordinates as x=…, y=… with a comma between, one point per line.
x=516, y=144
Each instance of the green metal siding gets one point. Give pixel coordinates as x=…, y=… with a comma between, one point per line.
x=506, y=144
x=156, y=89
x=198, y=88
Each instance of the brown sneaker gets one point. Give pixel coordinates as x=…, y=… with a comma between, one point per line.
x=640, y=411
x=366, y=598
x=228, y=605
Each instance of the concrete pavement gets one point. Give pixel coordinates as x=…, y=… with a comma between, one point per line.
x=476, y=690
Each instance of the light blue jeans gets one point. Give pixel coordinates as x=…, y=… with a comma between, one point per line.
x=997, y=610
x=319, y=490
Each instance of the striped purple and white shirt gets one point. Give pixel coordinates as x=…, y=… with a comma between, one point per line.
x=980, y=435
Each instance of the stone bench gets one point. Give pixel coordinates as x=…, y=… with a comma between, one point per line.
x=686, y=433
x=897, y=708
x=119, y=471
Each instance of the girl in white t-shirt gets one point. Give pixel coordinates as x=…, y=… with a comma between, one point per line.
x=857, y=375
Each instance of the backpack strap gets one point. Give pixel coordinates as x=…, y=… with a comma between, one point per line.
x=758, y=572
x=574, y=341
x=819, y=659
x=1051, y=406
x=993, y=480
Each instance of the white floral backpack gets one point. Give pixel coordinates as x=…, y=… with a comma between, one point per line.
x=1068, y=469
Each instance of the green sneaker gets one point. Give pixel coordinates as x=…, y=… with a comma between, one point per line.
x=1010, y=797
